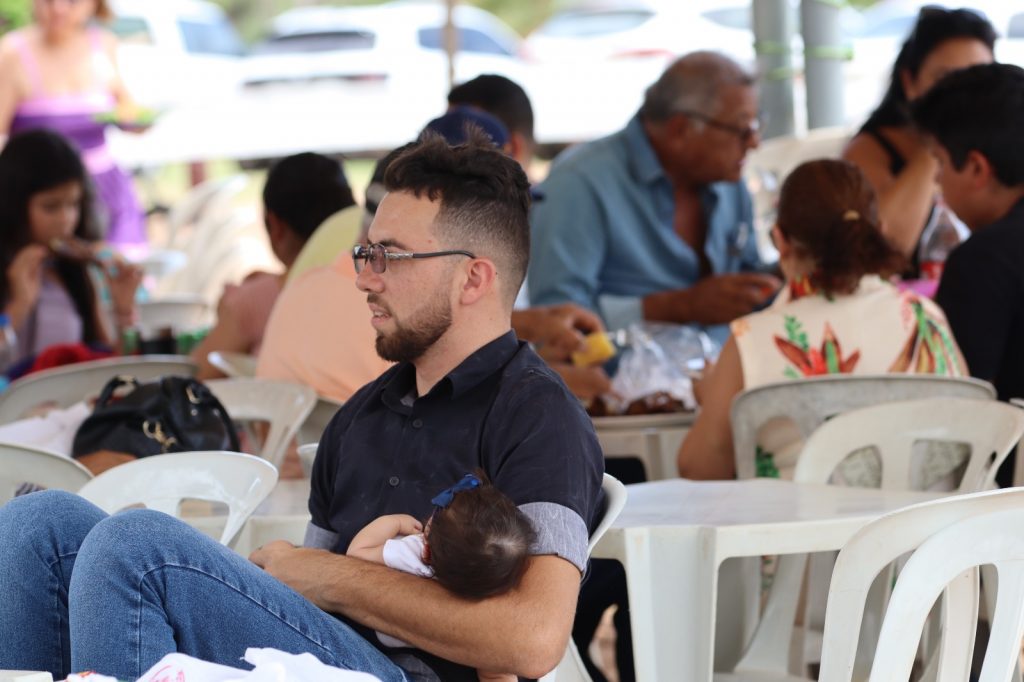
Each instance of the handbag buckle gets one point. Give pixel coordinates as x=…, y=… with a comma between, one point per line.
x=155, y=431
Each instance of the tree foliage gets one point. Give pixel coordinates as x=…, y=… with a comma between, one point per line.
x=14, y=13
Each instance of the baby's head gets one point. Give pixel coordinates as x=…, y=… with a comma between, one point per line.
x=478, y=541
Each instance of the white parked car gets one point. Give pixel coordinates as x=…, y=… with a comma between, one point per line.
x=176, y=51
x=396, y=45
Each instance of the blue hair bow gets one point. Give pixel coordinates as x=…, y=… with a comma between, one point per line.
x=445, y=497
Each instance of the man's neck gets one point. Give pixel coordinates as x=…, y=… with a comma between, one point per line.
x=999, y=201
x=450, y=351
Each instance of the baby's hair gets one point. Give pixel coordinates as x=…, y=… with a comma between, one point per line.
x=479, y=544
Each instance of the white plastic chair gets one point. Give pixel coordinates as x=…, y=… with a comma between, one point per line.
x=234, y=365
x=571, y=668
x=989, y=428
x=180, y=312
x=161, y=482
x=952, y=537
x=65, y=386
x=281, y=403
x=809, y=402
x=21, y=464
x=318, y=418
x=206, y=200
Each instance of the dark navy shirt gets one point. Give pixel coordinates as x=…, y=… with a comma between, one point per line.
x=503, y=410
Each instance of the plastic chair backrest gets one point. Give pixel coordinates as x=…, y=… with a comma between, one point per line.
x=318, y=418
x=809, y=402
x=205, y=199
x=65, y=386
x=571, y=668
x=950, y=536
x=161, y=482
x=21, y=464
x=180, y=312
x=990, y=428
x=234, y=365
x=281, y=403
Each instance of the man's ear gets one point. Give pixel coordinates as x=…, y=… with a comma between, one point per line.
x=275, y=226
x=481, y=278
x=979, y=169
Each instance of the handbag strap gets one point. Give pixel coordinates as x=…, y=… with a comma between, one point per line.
x=117, y=382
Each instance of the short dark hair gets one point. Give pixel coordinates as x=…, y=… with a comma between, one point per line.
x=32, y=162
x=484, y=195
x=934, y=26
x=499, y=97
x=479, y=544
x=305, y=189
x=828, y=211
x=980, y=108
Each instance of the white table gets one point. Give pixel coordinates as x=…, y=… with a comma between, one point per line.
x=653, y=438
x=673, y=536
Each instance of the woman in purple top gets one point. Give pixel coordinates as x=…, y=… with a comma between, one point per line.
x=61, y=73
x=47, y=290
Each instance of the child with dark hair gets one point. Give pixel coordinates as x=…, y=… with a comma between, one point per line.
x=837, y=314
x=975, y=122
x=476, y=544
x=46, y=222
x=888, y=148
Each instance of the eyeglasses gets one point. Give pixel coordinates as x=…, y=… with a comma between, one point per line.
x=377, y=255
x=745, y=135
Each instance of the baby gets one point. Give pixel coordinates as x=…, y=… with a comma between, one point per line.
x=476, y=544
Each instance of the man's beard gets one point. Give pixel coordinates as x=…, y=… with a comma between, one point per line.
x=409, y=342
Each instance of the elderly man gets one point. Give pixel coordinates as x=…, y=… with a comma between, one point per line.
x=447, y=253
x=653, y=222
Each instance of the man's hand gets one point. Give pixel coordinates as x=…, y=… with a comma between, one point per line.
x=716, y=299
x=296, y=567
x=557, y=331
x=584, y=382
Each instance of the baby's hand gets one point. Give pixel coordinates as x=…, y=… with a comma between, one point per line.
x=407, y=525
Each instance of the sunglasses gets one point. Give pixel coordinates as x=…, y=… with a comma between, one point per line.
x=377, y=255
x=744, y=134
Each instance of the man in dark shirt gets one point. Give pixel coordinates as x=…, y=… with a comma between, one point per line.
x=975, y=120
x=447, y=254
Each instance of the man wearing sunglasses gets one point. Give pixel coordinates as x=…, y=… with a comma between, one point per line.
x=654, y=222
x=446, y=256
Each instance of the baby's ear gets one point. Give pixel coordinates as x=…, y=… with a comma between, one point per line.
x=426, y=552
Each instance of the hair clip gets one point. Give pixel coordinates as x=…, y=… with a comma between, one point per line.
x=445, y=497
x=851, y=215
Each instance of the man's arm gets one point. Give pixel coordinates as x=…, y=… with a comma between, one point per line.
x=568, y=242
x=524, y=631
x=716, y=299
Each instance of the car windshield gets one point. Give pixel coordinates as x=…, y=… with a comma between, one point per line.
x=323, y=41
x=469, y=40
x=582, y=24
x=206, y=37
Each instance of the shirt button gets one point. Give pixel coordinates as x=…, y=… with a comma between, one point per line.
x=417, y=423
x=393, y=481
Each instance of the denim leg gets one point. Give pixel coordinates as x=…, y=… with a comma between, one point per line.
x=40, y=534
x=146, y=585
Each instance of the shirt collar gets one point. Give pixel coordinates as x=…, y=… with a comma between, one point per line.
x=470, y=373
x=643, y=161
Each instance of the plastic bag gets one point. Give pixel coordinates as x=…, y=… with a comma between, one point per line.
x=661, y=358
x=269, y=665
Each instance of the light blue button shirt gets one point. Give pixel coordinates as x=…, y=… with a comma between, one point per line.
x=603, y=234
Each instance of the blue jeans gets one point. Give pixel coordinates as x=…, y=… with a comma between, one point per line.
x=80, y=590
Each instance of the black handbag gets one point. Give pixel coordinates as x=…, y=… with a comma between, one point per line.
x=173, y=414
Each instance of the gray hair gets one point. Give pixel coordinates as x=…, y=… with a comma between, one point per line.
x=692, y=83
